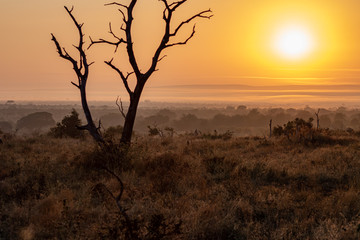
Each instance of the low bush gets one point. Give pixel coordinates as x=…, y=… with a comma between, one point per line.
x=68, y=127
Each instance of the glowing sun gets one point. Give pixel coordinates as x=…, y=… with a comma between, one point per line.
x=293, y=42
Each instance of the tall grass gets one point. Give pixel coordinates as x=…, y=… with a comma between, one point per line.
x=181, y=187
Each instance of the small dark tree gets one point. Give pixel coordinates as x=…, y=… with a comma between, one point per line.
x=69, y=127
x=278, y=131
x=298, y=129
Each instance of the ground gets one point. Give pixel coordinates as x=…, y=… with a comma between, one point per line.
x=181, y=187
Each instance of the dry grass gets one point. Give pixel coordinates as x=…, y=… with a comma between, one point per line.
x=181, y=188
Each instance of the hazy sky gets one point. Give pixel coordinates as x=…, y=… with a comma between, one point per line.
x=238, y=46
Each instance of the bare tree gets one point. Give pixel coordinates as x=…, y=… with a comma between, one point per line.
x=270, y=126
x=81, y=69
x=127, y=11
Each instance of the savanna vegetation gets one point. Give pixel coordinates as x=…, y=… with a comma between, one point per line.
x=299, y=184
x=241, y=120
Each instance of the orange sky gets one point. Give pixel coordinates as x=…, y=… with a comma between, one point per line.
x=234, y=47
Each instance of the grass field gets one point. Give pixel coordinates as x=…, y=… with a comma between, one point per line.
x=181, y=187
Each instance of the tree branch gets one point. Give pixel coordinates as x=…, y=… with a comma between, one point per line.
x=60, y=50
x=84, y=127
x=118, y=197
x=123, y=14
x=129, y=46
x=116, y=3
x=199, y=15
x=83, y=60
x=64, y=54
x=175, y=5
x=167, y=16
x=123, y=77
x=117, y=200
x=120, y=106
x=162, y=58
x=101, y=40
x=75, y=85
x=184, y=42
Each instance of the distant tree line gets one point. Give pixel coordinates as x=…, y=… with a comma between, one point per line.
x=241, y=120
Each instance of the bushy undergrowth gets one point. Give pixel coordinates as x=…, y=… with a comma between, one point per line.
x=302, y=132
x=68, y=127
x=181, y=187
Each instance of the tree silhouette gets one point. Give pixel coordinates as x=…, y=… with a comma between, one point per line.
x=81, y=68
x=143, y=76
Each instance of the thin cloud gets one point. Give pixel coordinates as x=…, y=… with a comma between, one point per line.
x=323, y=69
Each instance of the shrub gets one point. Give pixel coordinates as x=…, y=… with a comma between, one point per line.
x=224, y=136
x=170, y=131
x=68, y=127
x=297, y=130
x=154, y=131
x=112, y=132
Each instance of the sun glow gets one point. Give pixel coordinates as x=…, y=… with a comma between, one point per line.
x=293, y=42
x=293, y=39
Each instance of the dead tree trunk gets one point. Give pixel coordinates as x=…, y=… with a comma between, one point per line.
x=93, y=130
x=270, y=125
x=82, y=72
x=142, y=77
x=130, y=116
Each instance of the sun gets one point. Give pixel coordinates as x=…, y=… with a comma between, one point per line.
x=293, y=42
